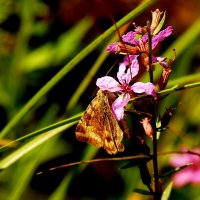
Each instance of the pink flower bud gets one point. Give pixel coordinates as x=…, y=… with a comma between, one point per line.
x=147, y=127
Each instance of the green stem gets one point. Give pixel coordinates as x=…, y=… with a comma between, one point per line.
x=178, y=88
x=150, y=53
x=157, y=192
x=170, y=90
x=69, y=66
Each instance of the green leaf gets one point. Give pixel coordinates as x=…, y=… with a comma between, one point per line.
x=63, y=187
x=72, y=119
x=170, y=171
x=5, y=9
x=189, y=78
x=145, y=175
x=142, y=191
x=167, y=191
x=55, y=53
x=25, y=169
x=30, y=146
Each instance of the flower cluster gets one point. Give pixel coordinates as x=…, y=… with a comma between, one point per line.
x=136, y=47
x=136, y=42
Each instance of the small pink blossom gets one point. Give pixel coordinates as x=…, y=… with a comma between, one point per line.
x=190, y=174
x=124, y=76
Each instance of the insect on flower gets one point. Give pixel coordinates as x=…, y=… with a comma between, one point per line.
x=99, y=127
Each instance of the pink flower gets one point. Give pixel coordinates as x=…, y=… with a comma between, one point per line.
x=190, y=174
x=133, y=38
x=136, y=43
x=124, y=77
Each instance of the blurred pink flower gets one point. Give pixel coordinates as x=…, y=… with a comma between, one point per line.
x=190, y=174
x=124, y=76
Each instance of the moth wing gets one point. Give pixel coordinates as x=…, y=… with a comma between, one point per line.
x=90, y=126
x=113, y=134
x=99, y=127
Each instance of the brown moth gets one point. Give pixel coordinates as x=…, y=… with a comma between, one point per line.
x=98, y=125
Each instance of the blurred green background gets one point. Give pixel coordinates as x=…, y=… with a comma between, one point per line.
x=37, y=40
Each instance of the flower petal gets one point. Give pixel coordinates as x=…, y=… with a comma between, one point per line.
x=196, y=175
x=190, y=174
x=182, y=177
x=119, y=104
x=108, y=83
x=130, y=38
x=113, y=48
x=125, y=77
x=161, y=36
x=121, y=75
x=140, y=87
x=160, y=60
x=145, y=38
x=134, y=66
x=183, y=159
x=150, y=89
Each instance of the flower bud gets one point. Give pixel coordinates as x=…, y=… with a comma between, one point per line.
x=155, y=19
x=147, y=127
x=166, y=71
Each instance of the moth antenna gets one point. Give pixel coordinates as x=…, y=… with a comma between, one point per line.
x=111, y=67
x=104, y=5
x=120, y=38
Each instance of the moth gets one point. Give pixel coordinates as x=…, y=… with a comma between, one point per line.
x=98, y=125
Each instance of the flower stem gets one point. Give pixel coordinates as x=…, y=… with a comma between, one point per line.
x=150, y=53
x=157, y=192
